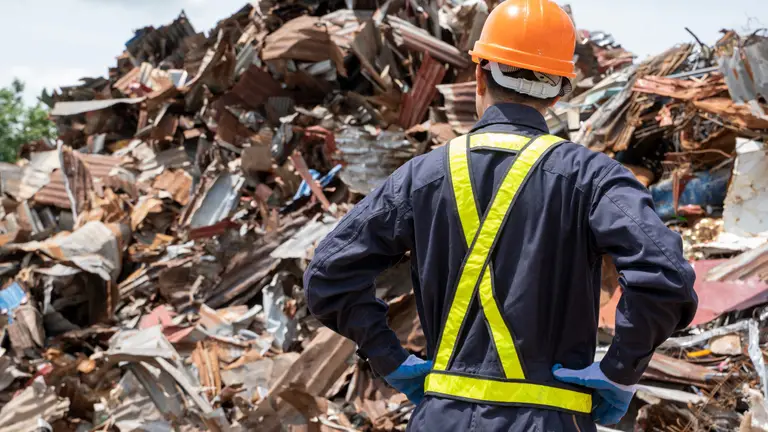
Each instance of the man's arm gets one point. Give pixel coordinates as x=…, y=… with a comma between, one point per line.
x=657, y=282
x=339, y=282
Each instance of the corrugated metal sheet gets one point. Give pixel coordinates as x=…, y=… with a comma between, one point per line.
x=37, y=401
x=219, y=200
x=460, y=105
x=344, y=24
x=176, y=157
x=415, y=104
x=253, y=89
x=21, y=183
x=419, y=40
x=55, y=192
x=95, y=248
x=369, y=160
x=303, y=38
x=78, y=107
x=309, y=235
x=739, y=68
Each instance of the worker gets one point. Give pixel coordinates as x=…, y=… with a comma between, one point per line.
x=505, y=228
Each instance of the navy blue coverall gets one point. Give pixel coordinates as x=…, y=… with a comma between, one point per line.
x=576, y=206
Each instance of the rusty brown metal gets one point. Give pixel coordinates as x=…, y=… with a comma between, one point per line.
x=416, y=103
x=460, y=105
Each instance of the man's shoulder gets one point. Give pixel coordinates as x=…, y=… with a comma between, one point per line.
x=580, y=164
x=426, y=168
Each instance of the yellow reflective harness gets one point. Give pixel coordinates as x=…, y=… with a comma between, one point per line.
x=477, y=274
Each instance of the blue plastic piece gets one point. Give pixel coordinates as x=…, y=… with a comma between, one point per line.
x=305, y=191
x=11, y=298
x=707, y=189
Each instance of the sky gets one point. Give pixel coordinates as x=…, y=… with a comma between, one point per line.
x=50, y=43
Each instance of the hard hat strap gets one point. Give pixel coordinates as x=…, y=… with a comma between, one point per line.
x=536, y=89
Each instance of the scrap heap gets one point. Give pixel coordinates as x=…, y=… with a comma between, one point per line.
x=152, y=257
x=691, y=124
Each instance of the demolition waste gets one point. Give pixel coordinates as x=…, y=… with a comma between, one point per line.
x=152, y=256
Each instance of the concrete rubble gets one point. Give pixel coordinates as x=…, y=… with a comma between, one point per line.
x=152, y=256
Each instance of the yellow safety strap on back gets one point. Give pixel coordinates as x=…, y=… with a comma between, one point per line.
x=480, y=237
x=470, y=222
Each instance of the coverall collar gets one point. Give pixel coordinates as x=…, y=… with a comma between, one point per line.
x=512, y=113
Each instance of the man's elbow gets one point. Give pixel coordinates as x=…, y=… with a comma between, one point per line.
x=310, y=290
x=688, y=301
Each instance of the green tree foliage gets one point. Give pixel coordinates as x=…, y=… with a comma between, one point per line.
x=20, y=124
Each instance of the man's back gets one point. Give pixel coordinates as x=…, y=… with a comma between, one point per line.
x=574, y=206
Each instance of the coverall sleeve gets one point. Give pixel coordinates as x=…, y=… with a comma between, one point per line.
x=657, y=282
x=339, y=282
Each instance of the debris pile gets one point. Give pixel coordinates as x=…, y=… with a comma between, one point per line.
x=152, y=257
x=691, y=125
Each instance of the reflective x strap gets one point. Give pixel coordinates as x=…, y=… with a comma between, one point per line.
x=481, y=237
x=484, y=236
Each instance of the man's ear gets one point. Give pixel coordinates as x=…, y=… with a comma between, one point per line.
x=556, y=100
x=482, y=86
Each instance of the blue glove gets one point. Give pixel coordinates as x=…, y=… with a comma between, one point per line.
x=610, y=400
x=408, y=378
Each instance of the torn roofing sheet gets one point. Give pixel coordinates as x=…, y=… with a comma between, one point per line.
x=37, y=401
x=95, y=248
x=219, y=200
x=460, y=105
x=309, y=235
x=78, y=107
x=178, y=183
x=419, y=40
x=715, y=297
x=683, y=89
x=741, y=86
x=414, y=104
x=54, y=193
x=371, y=159
x=304, y=38
x=667, y=368
x=252, y=90
x=22, y=183
x=746, y=204
x=752, y=264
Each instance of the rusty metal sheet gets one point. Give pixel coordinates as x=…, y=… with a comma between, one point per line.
x=303, y=38
x=37, y=401
x=178, y=183
x=419, y=40
x=738, y=114
x=63, y=109
x=715, y=297
x=683, y=89
x=460, y=105
x=55, y=191
x=95, y=247
x=21, y=183
x=667, y=368
x=253, y=89
x=748, y=265
x=414, y=104
x=344, y=24
x=250, y=270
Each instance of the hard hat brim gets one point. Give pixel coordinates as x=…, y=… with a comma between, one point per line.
x=513, y=57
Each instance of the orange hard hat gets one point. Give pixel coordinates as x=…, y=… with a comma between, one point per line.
x=531, y=34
